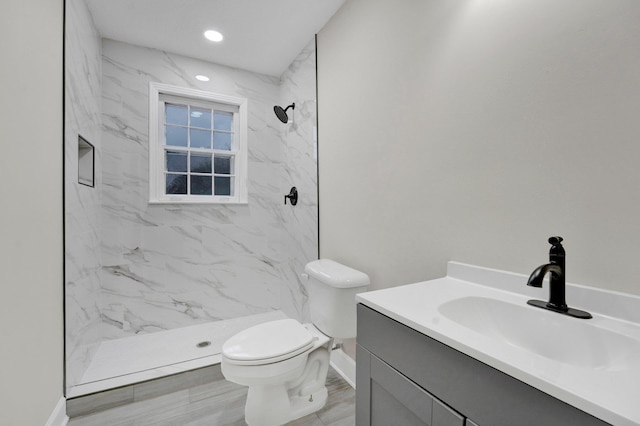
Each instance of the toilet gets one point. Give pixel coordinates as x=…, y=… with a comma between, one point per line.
x=284, y=363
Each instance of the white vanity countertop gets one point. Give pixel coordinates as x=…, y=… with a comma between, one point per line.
x=608, y=392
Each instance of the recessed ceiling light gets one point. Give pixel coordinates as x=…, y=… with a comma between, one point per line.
x=202, y=78
x=213, y=35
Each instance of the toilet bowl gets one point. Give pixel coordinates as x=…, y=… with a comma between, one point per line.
x=286, y=376
x=285, y=363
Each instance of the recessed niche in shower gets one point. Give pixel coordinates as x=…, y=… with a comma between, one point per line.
x=86, y=162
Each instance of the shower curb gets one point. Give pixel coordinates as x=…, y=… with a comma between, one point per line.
x=104, y=400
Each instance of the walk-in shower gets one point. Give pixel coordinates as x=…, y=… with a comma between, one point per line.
x=143, y=279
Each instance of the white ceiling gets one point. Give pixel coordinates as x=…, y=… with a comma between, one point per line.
x=263, y=36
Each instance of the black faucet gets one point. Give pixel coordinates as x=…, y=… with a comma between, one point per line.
x=556, y=270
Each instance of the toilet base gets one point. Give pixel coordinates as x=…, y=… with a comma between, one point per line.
x=301, y=406
x=286, y=390
x=278, y=408
x=277, y=404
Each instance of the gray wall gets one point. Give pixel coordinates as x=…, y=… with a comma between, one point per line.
x=31, y=215
x=472, y=131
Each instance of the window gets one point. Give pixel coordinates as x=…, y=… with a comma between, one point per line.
x=197, y=146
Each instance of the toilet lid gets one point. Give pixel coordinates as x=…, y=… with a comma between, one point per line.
x=269, y=342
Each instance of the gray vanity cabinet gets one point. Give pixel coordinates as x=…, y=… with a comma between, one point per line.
x=406, y=378
x=396, y=400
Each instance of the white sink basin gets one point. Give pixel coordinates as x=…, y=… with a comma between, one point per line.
x=592, y=364
x=577, y=342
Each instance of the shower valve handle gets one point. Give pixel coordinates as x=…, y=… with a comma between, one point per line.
x=292, y=196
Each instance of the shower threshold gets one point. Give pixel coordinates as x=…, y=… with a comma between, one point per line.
x=134, y=359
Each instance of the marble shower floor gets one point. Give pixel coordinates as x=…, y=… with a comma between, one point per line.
x=128, y=360
x=218, y=403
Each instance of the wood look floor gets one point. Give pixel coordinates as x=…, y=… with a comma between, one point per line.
x=220, y=403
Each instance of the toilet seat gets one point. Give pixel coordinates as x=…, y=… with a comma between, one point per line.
x=267, y=343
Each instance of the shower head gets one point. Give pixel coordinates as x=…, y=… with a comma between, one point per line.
x=282, y=113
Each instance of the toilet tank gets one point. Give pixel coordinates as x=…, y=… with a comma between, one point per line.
x=332, y=291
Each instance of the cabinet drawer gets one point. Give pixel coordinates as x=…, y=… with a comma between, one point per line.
x=396, y=400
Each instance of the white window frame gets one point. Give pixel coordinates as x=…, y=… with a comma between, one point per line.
x=156, y=146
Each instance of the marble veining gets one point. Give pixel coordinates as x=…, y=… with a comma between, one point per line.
x=195, y=263
x=82, y=203
x=135, y=268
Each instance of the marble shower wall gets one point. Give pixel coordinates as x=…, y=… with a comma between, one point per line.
x=167, y=266
x=298, y=84
x=83, y=98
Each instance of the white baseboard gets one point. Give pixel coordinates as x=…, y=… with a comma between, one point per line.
x=59, y=415
x=344, y=365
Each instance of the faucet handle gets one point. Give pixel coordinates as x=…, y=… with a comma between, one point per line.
x=554, y=241
x=556, y=248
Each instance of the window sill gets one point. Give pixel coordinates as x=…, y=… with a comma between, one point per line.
x=196, y=202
